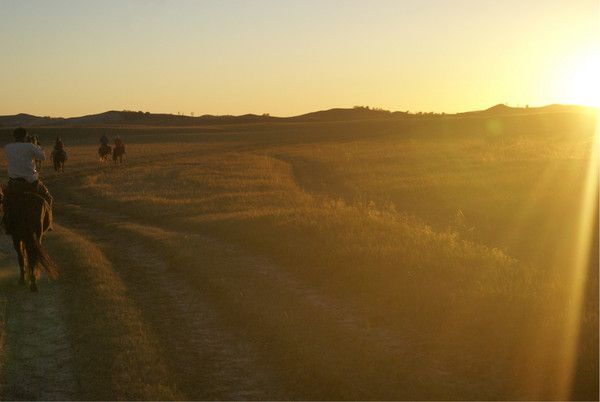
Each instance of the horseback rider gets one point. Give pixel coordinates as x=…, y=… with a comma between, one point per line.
x=59, y=151
x=118, y=142
x=36, y=141
x=104, y=140
x=104, y=149
x=58, y=144
x=23, y=176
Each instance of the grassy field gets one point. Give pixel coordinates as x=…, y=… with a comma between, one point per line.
x=436, y=258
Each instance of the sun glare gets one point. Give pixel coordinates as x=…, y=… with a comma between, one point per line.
x=581, y=79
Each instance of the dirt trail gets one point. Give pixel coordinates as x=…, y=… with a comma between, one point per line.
x=210, y=361
x=381, y=355
x=340, y=314
x=36, y=356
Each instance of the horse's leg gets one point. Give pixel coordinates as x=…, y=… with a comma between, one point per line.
x=20, y=249
x=32, y=261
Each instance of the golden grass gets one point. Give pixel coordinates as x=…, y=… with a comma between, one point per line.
x=115, y=356
x=445, y=227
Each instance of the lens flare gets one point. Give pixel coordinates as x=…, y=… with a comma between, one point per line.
x=580, y=263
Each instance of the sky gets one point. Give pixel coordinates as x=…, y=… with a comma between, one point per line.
x=70, y=58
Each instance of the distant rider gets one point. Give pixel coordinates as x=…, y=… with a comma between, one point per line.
x=104, y=140
x=35, y=140
x=118, y=142
x=58, y=145
x=59, y=148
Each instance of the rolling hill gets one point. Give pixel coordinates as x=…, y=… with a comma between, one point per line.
x=120, y=118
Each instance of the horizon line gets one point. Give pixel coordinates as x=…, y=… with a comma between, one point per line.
x=367, y=107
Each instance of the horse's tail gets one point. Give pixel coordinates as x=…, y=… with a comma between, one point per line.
x=41, y=255
x=46, y=261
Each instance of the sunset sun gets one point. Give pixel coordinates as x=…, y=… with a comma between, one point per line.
x=581, y=83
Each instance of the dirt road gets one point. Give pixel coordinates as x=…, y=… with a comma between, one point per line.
x=37, y=359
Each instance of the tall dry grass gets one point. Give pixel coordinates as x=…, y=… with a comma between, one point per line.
x=448, y=227
x=114, y=355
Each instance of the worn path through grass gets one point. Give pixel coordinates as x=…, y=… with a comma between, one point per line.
x=36, y=359
x=215, y=307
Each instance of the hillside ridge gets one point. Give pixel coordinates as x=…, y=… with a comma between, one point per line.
x=127, y=117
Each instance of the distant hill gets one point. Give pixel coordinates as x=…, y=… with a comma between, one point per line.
x=502, y=110
x=339, y=114
x=26, y=120
x=113, y=117
x=158, y=119
x=127, y=118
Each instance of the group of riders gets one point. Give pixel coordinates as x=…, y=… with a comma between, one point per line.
x=25, y=155
x=105, y=149
x=26, y=201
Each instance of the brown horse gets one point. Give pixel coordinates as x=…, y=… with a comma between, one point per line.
x=118, y=153
x=59, y=156
x=27, y=216
x=103, y=152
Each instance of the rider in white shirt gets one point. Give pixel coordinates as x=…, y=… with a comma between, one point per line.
x=20, y=157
